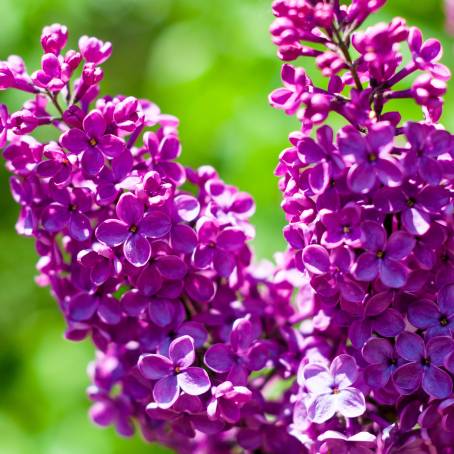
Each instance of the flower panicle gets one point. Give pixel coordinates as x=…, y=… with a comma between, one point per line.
x=149, y=259
x=369, y=229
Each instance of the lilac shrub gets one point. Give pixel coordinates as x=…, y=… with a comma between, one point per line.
x=369, y=209
x=344, y=344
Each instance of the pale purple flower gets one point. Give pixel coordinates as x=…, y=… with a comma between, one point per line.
x=331, y=389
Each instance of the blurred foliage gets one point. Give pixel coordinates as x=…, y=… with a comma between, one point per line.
x=208, y=62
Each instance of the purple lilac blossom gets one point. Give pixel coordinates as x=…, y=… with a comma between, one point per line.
x=339, y=344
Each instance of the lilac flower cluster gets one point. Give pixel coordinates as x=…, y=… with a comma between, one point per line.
x=370, y=230
x=148, y=259
x=345, y=344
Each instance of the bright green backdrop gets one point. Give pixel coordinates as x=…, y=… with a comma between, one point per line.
x=210, y=62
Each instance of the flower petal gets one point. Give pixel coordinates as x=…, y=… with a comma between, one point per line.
x=350, y=402
x=155, y=367
x=436, y=382
x=137, y=250
x=194, y=381
x=166, y=391
x=322, y=408
x=407, y=378
x=410, y=346
x=130, y=209
x=219, y=358
x=112, y=232
x=182, y=352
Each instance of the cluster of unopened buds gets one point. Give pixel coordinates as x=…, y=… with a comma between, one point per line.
x=345, y=344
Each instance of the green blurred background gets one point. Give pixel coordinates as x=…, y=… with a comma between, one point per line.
x=211, y=63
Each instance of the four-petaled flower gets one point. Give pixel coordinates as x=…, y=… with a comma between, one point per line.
x=331, y=390
x=175, y=372
x=93, y=142
x=133, y=228
x=423, y=368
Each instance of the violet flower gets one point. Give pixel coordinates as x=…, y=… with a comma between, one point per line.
x=423, y=368
x=174, y=373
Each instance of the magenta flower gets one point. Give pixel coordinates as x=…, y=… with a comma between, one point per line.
x=54, y=38
x=227, y=401
x=372, y=157
x=423, y=368
x=296, y=83
x=331, y=389
x=51, y=76
x=133, y=228
x=175, y=372
x=92, y=142
x=384, y=256
x=94, y=50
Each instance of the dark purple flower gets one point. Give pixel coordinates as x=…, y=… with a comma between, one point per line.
x=133, y=228
x=384, y=255
x=423, y=368
x=68, y=211
x=436, y=319
x=174, y=373
x=240, y=356
x=383, y=361
x=93, y=142
x=342, y=227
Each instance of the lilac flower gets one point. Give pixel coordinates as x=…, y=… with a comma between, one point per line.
x=92, y=142
x=227, y=401
x=436, y=319
x=240, y=356
x=342, y=227
x=372, y=157
x=321, y=159
x=68, y=210
x=94, y=50
x=51, y=76
x=426, y=145
x=377, y=317
x=54, y=38
x=331, y=389
x=296, y=84
x=133, y=228
x=383, y=257
x=383, y=360
x=217, y=247
x=423, y=368
x=174, y=373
